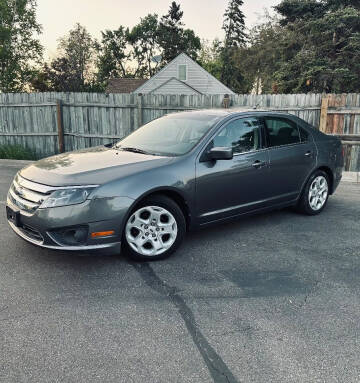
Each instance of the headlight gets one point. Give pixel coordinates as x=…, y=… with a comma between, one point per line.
x=67, y=197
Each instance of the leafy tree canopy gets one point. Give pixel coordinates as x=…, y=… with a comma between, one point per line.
x=210, y=57
x=235, y=38
x=144, y=49
x=311, y=46
x=319, y=46
x=234, y=24
x=143, y=39
x=73, y=69
x=19, y=49
x=173, y=38
x=112, y=54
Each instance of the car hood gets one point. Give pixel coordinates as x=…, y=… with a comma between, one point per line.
x=93, y=166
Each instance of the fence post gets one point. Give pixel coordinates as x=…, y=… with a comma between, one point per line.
x=60, y=126
x=323, y=115
x=226, y=101
x=139, y=110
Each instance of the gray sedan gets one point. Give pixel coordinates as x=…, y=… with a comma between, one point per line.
x=178, y=172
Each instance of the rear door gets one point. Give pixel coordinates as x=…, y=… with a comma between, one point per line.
x=292, y=156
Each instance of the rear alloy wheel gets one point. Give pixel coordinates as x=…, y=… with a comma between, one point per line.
x=154, y=229
x=318, y=193
x=315, y=195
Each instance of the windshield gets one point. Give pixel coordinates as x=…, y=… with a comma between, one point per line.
x=172, y=135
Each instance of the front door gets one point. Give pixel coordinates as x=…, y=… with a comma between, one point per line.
x=226, y=188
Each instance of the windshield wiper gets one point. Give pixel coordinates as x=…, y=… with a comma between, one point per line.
x=134, y=150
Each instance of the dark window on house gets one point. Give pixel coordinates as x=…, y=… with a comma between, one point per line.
x=281, y=131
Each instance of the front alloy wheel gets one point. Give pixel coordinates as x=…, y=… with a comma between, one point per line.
x=154, y=229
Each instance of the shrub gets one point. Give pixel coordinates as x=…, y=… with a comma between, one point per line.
x=16, y=152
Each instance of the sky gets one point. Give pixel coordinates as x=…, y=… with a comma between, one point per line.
x=203, y=16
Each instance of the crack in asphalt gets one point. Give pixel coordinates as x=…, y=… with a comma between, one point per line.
x=307, y=296
x=219, y=371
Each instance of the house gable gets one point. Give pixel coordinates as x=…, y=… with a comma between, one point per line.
x=197, y=78
x=174, y=86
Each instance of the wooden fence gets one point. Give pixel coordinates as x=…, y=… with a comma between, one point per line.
x=49, y=123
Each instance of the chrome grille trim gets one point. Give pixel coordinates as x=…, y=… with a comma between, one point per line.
x=42, y=189
x=45, y=189
x=23, y=204
x=27, y=194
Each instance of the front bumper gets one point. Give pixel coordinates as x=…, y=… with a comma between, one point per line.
x=23, y=234
x=102, y=214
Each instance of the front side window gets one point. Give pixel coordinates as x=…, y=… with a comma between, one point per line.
x=242, y=135
x=182, y=75
x=281, y=131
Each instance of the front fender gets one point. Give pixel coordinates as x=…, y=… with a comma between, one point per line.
x=176, y=178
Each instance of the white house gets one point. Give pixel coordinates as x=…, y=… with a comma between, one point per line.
x=183, y=76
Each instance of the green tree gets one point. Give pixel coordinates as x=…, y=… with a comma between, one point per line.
x=298, y=10
x=210, y=57
x=320, y=52
x=235, y=38
x=143, y=39
x=234, y=25
x=112, y=55
x=19, y=49
x=40, y=81
x=130, y=52
x=260, y=59
x=73, y=69
x=173, y=39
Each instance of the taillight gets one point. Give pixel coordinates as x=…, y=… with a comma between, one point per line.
x=343, y=151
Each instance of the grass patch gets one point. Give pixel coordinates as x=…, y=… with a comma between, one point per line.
x=16, y=152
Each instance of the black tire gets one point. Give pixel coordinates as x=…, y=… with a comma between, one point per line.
x=303, y=206
x=172, y=207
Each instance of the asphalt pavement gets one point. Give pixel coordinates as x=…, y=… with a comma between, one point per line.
x=270, y=298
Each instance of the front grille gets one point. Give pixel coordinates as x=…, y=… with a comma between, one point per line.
x=27, y=195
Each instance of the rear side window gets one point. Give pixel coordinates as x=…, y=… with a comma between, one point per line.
x=281, y=131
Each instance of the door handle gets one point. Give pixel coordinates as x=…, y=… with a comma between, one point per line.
x=258, y=164
x=308, y=153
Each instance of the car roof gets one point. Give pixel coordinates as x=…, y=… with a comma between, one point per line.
x=222, y=112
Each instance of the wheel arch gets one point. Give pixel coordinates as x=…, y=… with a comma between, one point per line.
x=172, y=193
x=330, y=174
x=325, y=169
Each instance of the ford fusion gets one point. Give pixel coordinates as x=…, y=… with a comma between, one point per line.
x=178, y=172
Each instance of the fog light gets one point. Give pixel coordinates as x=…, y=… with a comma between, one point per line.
x=102, y=234
x=72, y=236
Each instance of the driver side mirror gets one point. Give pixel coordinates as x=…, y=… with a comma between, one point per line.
x=221, y=153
